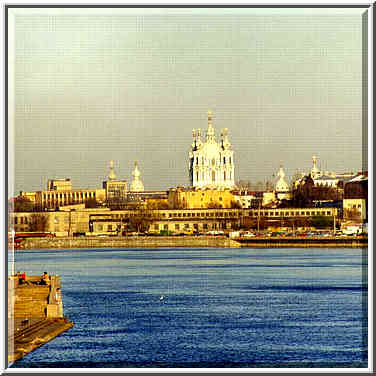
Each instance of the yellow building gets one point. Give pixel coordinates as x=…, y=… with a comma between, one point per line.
x=29, y=195
x=103, y=220
x=182, y=198
x=53, y=199
x=59, y=184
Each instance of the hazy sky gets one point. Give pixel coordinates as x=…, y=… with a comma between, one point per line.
x=96, y=85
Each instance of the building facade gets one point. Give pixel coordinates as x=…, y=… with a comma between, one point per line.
x=114, y=222
x=211, y=163
x=187, y=198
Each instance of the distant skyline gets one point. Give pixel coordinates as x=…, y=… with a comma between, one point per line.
x=94, y=85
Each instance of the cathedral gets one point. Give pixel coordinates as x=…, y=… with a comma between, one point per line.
x=211, y=163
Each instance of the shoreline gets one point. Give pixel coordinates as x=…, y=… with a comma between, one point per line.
x=192, y=242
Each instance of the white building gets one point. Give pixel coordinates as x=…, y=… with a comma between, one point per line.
x=211, y=163
x=325, y=178
x=136, y=185
x=282, y=189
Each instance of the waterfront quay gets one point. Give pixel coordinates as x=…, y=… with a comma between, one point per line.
x=35, y=315
x=213, y=241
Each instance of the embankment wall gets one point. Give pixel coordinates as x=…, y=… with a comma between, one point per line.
x=189, y=242
x=130, y=242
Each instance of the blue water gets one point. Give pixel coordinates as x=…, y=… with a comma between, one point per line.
x=221, y=308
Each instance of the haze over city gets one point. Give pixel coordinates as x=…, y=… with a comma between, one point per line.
x=95, y=85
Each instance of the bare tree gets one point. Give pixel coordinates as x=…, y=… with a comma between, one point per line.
x=141, y=219
x=214, y=205
x=244, y=184
x=38, y=222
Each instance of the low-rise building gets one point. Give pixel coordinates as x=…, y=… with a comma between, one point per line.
x=103, y=220
x=355, y=201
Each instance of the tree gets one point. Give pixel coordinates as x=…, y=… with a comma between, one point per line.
x=322, y=222
x=21, y=204
x=38, y=222
x=141, y=219
x=214, y=205
x=269, y=185
x=91, y=203
x=156, y=204
x=248, y=222
x=235, y=205
x=259, y=186
x=244, y=184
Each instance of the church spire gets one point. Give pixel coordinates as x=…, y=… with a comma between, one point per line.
x=111, y=175
x=136, y=185
x=210, y=135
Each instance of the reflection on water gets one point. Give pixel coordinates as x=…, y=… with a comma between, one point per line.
x=221, y=307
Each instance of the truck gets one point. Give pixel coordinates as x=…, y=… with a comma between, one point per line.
x=352, y=230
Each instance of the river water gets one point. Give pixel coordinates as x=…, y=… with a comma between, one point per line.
x=206, y=308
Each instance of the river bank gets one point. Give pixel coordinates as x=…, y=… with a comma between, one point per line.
x=191, y=242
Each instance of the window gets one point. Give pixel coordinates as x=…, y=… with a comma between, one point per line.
x=109, y=228
x=328, y=213
x=165, y=227
x=156, y=227
x=359, y=206
x=100, y=227
x=186, y=226
x=177, y=227
x=220, y=199
x=276, y=213
x=15, y=220
x=205, y=226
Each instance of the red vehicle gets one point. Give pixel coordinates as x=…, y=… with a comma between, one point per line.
x=25, y=235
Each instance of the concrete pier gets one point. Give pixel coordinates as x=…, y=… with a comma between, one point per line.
x=35, y=315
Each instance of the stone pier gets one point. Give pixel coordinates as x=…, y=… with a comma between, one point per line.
x=35, y=315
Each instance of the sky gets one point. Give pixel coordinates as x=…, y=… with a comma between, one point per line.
x=92, y=85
